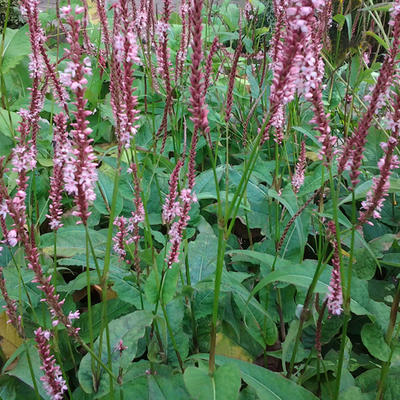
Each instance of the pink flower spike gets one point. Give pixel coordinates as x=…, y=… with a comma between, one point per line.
x=52, y=379
x=298, y=177
x=335, y=297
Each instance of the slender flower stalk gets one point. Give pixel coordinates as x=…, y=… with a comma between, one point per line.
x=298, y=177
x=292, y=220
x=335, y=296
x=101, y=11
x=164, y=63
x=232, y=76
x=136, y=218
x=185, y=38
x=207, y=73
x=52, y=379
x=36, y=65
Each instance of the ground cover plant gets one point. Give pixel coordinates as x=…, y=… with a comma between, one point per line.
x=200, y=201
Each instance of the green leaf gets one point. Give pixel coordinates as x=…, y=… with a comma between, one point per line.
x=129, y=328
x=202, y=256
x=362, y=190
x=225, y=383
x=16, y=47
x=369, y=382
x=8, y=122
x=340, y=19
x=362, y=304
x=153, y=382
x=378, y=39
x=21, y=369
x=374, y=341
x=300, y=275
x=199, y=384
x=71, y=240
x=104, y=192
x=364, y=265
x=152, y=289
x=268, y=385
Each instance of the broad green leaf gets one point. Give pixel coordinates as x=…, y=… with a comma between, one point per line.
x=129, y=328
x=364, y=265
x=115, y=309
x=169, y=284
x=362, y=190
x=21, y=371
x=146, y=381
x=373, y=340
x=268, y=385
x=369, y=382
x=362, y=304
x=104, y=192
x=8, y=122
x=288, y=345
x=16, y=47
x=202, y=256
x=71, y=240
x=176, y=313
x=225, y=383
x=199, y=384
x=301, y=275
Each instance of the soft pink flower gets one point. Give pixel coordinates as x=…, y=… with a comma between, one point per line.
x=298, y=177
x=335, y=297
x=52, y=379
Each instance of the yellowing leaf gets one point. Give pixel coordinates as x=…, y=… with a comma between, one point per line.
x=227, y=347
x=9, y=338
x=345, y=253
x=311, y=155
x=93, y=16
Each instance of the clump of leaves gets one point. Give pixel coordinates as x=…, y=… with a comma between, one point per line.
x=14, y=19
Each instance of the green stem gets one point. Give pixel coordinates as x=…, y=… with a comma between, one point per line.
x=389, y=338
x=217, y=288
x=346, y=292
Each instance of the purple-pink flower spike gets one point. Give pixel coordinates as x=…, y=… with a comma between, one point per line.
x=18, y=215
x=80, y=173
x=335, y=296
x=62, y=147
x=11, y=307
x=52, y=379
x=352, y=153
x=171, y=207
x=232, y=76
x=290, y=56
x=124, y=102
x=207, y=74
x=199, y=117
x=197, y=100
x=375, y=198
x=298, y=176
